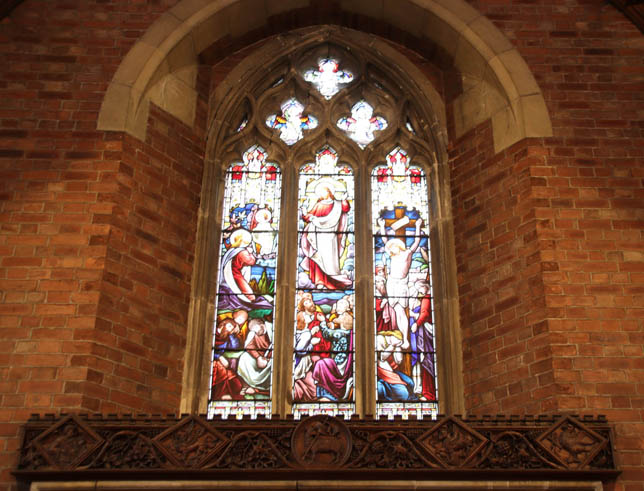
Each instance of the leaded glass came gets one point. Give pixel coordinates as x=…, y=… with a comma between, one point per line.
x=291, y=122
x=328, y=78
x=360, y=126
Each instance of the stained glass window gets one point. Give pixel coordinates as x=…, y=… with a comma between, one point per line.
x=328, y=77
x=291, y=122
x=405, y=337
x=311, y=110
x=242, y=352
x=361, y=125
x=323, y=358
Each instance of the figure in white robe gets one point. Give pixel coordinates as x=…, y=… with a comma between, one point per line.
x=322, y=242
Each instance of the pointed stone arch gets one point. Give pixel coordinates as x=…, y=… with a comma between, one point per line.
x=497, y=83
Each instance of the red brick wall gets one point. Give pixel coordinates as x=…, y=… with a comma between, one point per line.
x=139, y=335
x=585, y=187
x=549, y=248
x=97, y=229
x=508, y=364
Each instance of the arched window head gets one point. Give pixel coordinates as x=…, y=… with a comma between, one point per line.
x=336, y=317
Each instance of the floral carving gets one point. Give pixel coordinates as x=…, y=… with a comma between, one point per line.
x=391, y=450
x=251, y=450
x=302, y=449
x=129, y=450
x=511, y=450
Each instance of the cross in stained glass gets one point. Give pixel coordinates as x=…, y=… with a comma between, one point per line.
x=362, y=123
x=291, y=122
x=400, y=222
x=327, y=78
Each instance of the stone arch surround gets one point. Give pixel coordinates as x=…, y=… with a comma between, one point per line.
x=497, y=83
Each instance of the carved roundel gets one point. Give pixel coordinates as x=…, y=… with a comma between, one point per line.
x=321, y=441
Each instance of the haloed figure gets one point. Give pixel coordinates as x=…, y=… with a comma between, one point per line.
x=234, y=287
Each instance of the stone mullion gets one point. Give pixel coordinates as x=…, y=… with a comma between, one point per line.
x=285, y=298
x=363, y=327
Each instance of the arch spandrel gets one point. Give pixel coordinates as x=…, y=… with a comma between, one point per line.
x=480, y=52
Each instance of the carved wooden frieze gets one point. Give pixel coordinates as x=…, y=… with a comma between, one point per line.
x=94, y=447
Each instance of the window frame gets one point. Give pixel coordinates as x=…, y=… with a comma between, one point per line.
x=225, y=108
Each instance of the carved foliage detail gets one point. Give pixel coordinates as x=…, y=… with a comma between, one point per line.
x=511, y=450
x=251, y=450
x=83, y=445
x=129, y=450
x=391, y=450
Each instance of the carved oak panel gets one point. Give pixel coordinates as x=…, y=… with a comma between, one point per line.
x=192, y=447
